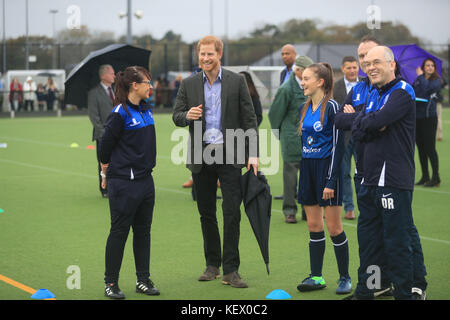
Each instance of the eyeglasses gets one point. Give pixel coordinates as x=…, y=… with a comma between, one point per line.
x=374, y=63
x=149, y=82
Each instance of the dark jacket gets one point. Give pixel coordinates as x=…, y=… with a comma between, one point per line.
x=258, y=109
x=339, y=91
x=99, y=108
x=357, y=97
x=129, y=142
x=283, y=74
x=237, y=112
x=428, y=90
x=388, y=157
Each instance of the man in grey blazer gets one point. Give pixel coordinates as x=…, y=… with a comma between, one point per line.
x=100, y=105
x=217, y=107
x=342, y=87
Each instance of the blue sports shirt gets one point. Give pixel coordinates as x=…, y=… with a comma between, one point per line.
x=323, y=141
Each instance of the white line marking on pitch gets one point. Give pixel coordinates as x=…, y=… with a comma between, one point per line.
x=163, y=189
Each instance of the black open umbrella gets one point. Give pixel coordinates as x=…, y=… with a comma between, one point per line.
x=84, y=75
x=258, y=205
x=46, y=74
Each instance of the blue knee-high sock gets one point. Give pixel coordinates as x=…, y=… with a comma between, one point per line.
x=340, y=244
x=316, y=252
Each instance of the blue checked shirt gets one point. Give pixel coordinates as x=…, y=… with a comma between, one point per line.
x=213, y=109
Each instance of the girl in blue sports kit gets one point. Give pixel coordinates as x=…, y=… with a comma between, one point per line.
x=128, y=155
x=319, y=186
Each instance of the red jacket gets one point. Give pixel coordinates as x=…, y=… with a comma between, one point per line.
x=11, y=91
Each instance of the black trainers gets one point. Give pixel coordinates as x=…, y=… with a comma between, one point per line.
x=418, y=294
x=147, y=287
x=113, y=291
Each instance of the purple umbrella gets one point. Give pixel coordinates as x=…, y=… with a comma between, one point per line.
x=409, y=57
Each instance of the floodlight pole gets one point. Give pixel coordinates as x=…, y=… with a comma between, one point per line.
x=129, y=34
x=4, y=39
x=226, y=62
x=27, y=49
x=211, y=20
x=53, y=12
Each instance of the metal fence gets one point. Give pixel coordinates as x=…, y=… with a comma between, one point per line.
x=166, y=59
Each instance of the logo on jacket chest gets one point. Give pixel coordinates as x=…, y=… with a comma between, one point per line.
x=134, y=123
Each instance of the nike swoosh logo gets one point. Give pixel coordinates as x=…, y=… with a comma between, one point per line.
x=386, y=195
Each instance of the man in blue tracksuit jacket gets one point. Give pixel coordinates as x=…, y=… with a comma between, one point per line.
x=370, y=254
x=386, y=127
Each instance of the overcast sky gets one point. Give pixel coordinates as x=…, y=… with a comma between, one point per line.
x=191, y=18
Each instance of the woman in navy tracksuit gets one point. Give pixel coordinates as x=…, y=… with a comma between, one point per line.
x=128, y=155
x=319, y=186
x=427, y=86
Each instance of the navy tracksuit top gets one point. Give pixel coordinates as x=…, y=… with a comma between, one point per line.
x=129, y=142
x=428, y=90
x=388, y=158
x=357, y=97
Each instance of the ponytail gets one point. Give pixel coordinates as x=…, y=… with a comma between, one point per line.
x=123, y=82
x=328, y=89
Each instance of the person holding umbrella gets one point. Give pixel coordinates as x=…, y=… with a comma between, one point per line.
x=128, y=156
x=320, y=184
x=214, y=104
x=100, y=103
x=427, y=87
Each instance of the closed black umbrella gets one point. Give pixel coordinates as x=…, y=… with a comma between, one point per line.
x=258, y=205
x=84, y=75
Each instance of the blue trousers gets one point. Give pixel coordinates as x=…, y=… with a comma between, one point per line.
x=346, y=165
x=388, y=239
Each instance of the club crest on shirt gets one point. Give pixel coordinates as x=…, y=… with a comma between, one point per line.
x=317, y=126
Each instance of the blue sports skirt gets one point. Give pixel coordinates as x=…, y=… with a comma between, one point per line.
x=312, y=181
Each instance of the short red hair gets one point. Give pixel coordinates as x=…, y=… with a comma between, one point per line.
x=218, y=44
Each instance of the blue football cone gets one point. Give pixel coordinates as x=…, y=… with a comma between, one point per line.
x=43, y=294
x=278, y=294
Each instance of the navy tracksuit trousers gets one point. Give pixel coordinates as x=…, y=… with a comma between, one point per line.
x=131, y=204
x=388, y=239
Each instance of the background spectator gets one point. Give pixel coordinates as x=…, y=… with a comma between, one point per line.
x=15, y=94
x=29, y=95
x=427, y=86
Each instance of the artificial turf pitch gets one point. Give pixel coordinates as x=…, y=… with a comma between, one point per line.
x=53, y=219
